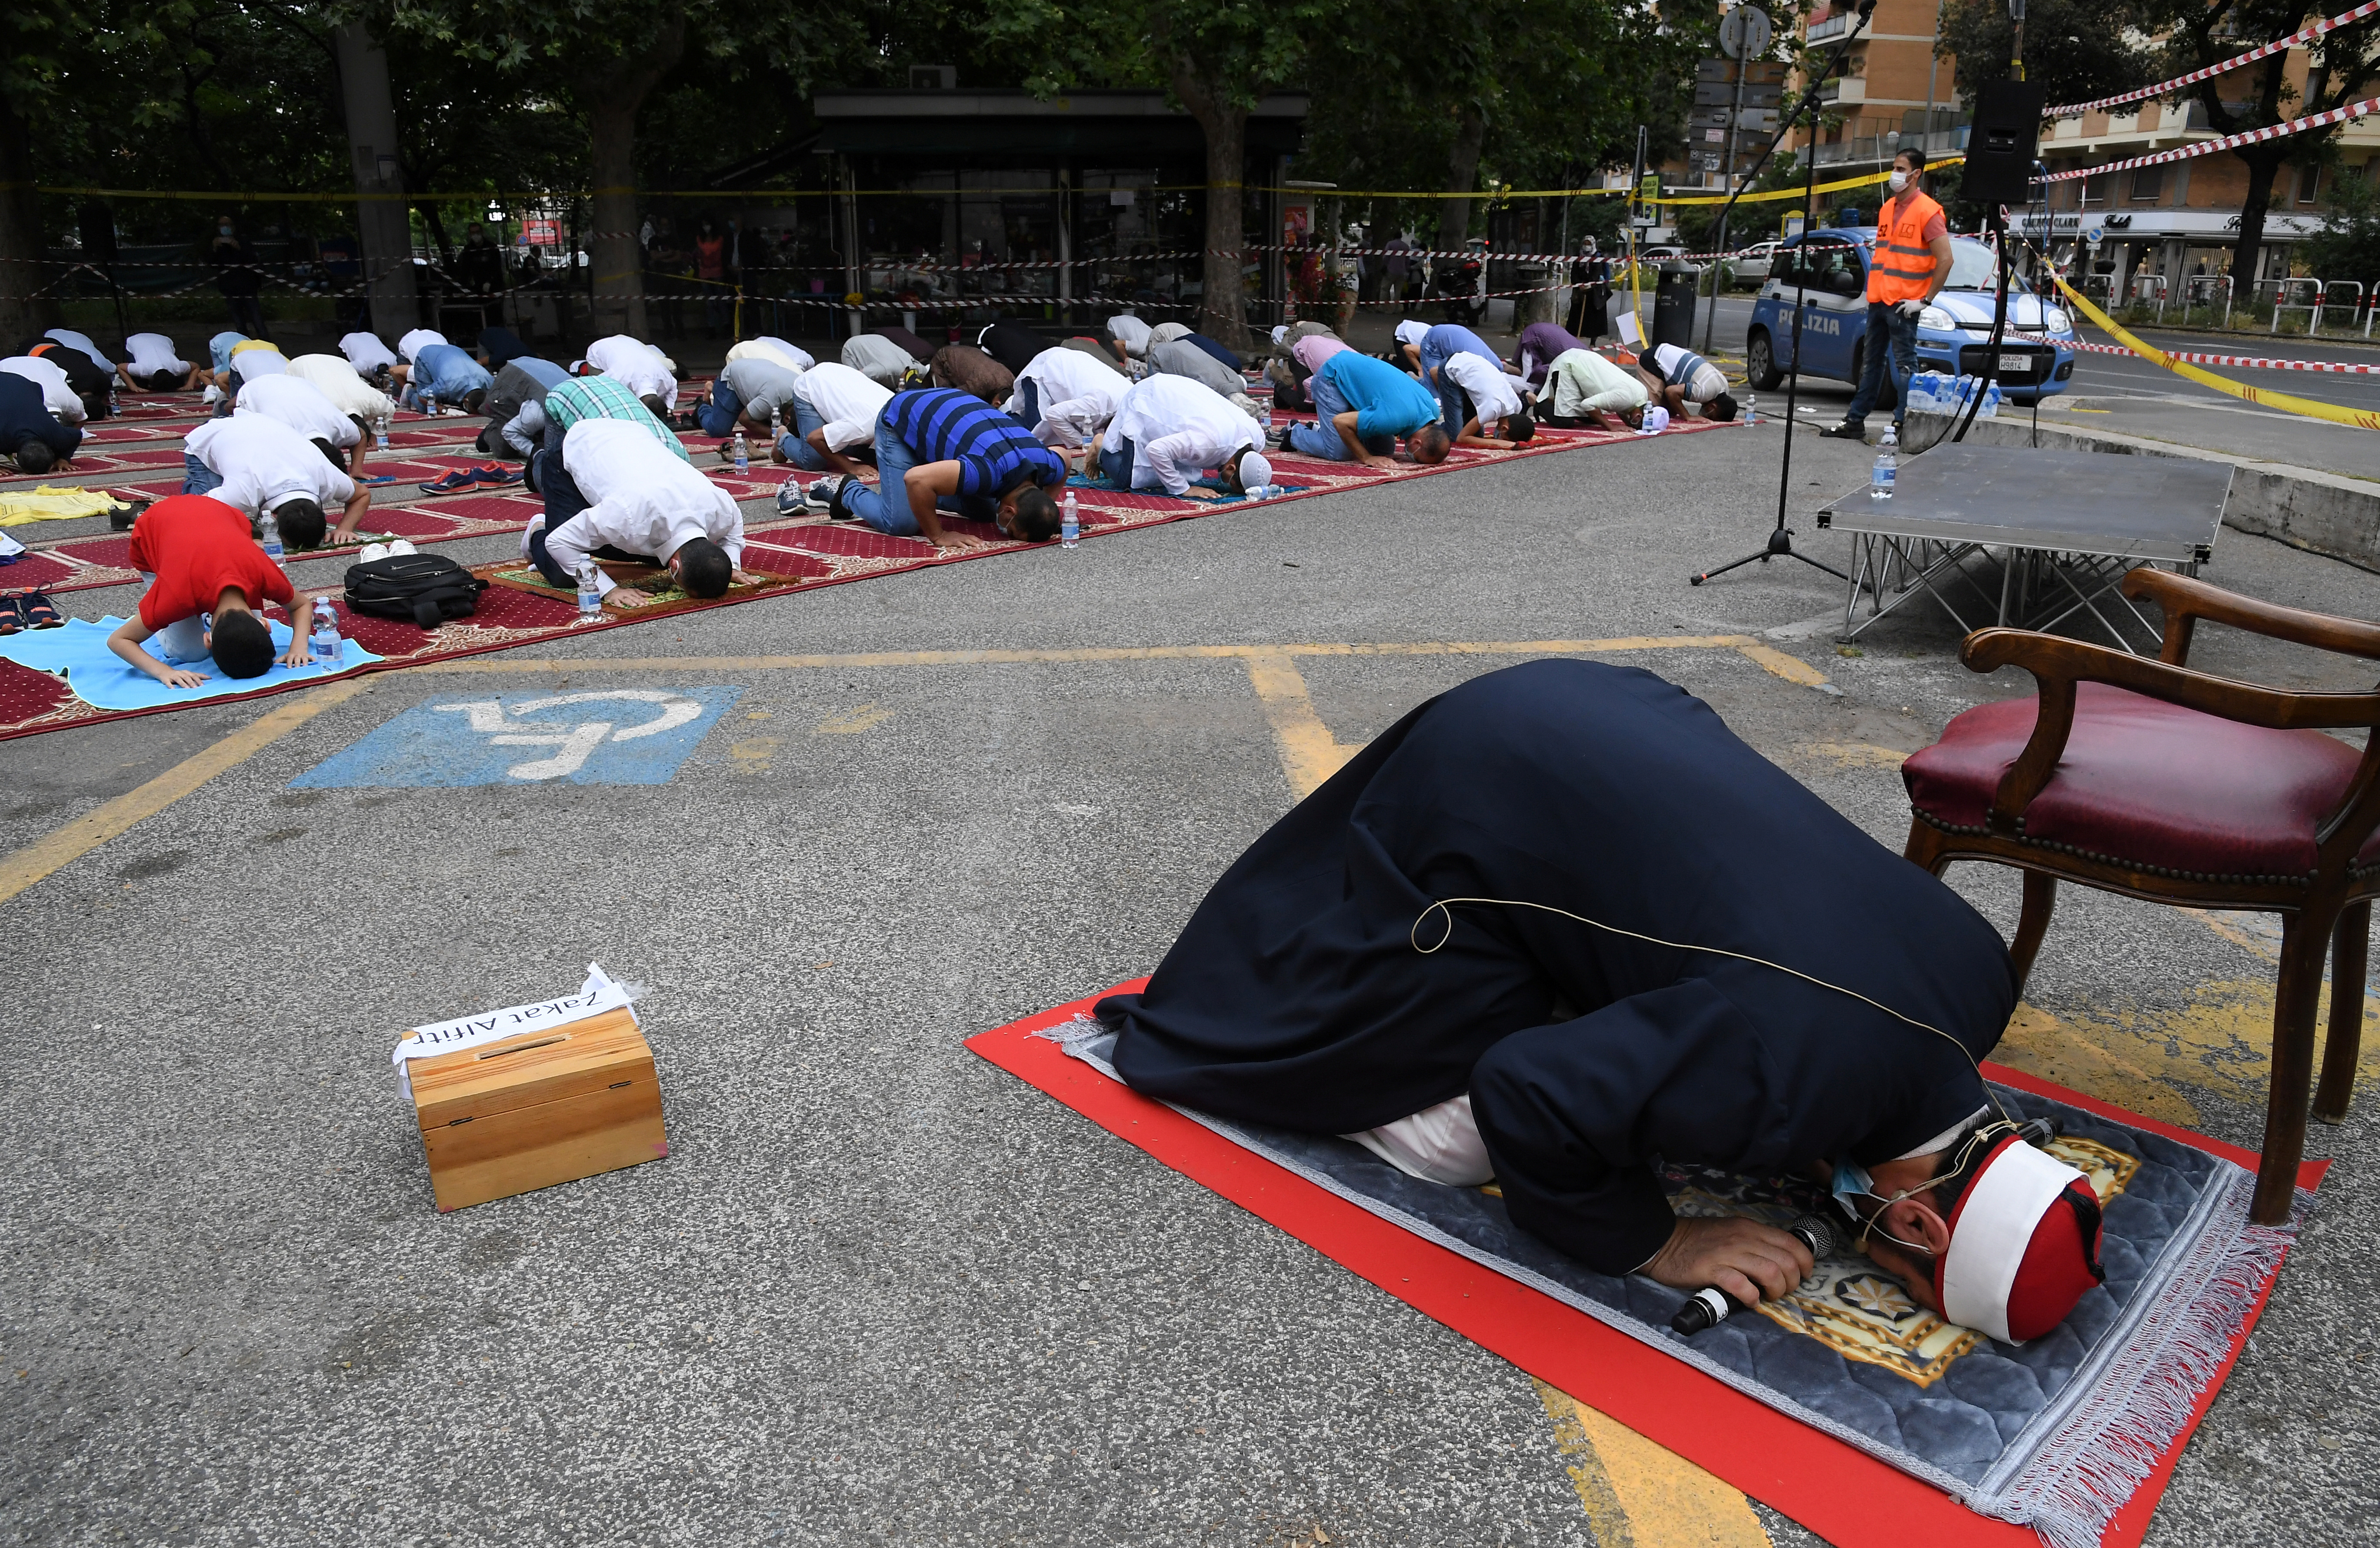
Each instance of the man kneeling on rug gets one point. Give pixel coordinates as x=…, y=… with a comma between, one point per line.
x=1559, y=927
x=620, y=495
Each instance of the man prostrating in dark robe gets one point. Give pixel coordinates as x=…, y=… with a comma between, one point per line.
x=1316, y=989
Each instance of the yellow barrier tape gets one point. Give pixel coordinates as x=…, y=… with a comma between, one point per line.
x=1869, y=181
x=2361, y=419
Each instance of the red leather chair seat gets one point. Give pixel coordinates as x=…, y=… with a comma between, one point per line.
x=2147, y=783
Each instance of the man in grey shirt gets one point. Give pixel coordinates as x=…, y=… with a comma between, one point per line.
x=515, y=405
x=880, y=360
x=1180, y=357
x=750, y=390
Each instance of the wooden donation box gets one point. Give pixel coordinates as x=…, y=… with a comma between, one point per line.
x=549, y=1106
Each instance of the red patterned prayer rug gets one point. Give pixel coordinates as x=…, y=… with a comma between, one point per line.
x=809, y=553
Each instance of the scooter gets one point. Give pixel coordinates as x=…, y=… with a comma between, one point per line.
x=1457, y=282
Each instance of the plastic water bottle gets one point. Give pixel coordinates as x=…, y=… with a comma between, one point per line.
x=590, y=595
x=380, y=431
x=267, y=533
x=326, y=631
x=777, y=425
x=1751, y=408
x=743, y=453
x=1888, y=461
x=1070, y=523
x=430, y=402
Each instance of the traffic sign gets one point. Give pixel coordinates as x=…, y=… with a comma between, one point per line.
x=1744, y=32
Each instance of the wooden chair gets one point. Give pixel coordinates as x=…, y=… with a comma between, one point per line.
x=2150, y=779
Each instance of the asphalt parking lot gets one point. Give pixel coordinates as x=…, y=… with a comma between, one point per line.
x=880, y=1291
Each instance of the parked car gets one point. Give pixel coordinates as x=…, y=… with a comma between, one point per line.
x=1752, y=265
x=2037, y=355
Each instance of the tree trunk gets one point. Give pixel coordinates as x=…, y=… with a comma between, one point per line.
x=2261, y=172
x=1222, y=313
x=21, y=276
x=1462, y=170
x=369, y=108
x=613, y=102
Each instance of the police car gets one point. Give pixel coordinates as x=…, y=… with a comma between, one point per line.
x=1953, y=336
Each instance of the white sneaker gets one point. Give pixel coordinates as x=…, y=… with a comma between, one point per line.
x=370, y=551
x=398, y=547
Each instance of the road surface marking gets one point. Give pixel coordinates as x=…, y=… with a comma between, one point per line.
x=64, y=845
x=1638, y=1494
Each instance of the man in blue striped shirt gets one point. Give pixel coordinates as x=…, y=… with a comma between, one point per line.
x=938, y=449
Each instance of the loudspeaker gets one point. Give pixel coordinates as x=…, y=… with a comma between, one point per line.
x=2000, y=146
x=98, y=234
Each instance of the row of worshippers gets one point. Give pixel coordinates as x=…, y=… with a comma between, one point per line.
x=1554, y=379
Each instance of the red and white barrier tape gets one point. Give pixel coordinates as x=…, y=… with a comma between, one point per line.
x=2266, y=51
x=2245, y=362
x=2228, y=142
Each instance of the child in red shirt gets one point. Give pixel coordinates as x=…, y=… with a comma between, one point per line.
x=198, y=558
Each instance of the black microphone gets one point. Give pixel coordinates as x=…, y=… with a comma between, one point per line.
x=1710, y=1306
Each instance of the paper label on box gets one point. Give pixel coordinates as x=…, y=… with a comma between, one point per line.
x=598, y=995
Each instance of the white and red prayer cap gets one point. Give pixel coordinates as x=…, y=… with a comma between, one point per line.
x=2024, y=1244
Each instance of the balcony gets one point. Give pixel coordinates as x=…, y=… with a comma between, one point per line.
x=1843, y=88
x=1833, y=27
x=1877, y=149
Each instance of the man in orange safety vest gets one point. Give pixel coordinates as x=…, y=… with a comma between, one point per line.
x=1910, y=264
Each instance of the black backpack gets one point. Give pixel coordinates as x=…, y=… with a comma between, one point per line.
x=425, y=589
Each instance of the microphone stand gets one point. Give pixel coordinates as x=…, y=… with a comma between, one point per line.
x=1780, y=538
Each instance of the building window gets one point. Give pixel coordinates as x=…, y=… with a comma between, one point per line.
x=2148, y=182
x=2309, y=183
x=2097, y=190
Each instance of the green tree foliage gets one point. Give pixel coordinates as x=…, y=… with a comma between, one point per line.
x=2344, y=63
x=1526, y=93
x=2347, y=246
x=2075, y=49
x=604, y=59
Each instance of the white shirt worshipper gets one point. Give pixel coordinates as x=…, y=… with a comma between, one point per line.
x=265, y=465
x=300, y=405
x=56, y=395
x=1178, y=429
x=638, y=365
x=793, y=356
x=413, y=343
x=643, y=500
x=84, y=343
x=338, y=381
x=1583, y=382
x=1075, y=393
x=365, y=352
x=847, y=400
x=1493, y=397
x=152, y=353
x=1131, y=333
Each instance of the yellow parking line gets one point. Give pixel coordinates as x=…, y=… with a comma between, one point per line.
x=1639, y=1494
x=64, y=845
x=1309, y=754
x=1773, y=660
x=1276, y=683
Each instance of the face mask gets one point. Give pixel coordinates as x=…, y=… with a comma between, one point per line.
x=1900, y=181
x=1851, y=1184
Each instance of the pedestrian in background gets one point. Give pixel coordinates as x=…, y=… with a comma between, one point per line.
x=235, y=276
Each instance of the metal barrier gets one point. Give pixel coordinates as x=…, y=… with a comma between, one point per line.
x=2202, y=290
x=2324, y=303
x=2281, y=302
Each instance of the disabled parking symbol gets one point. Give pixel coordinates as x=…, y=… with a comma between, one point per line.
x=596, y=736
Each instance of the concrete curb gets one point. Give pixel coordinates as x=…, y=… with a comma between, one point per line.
x=2328, y=513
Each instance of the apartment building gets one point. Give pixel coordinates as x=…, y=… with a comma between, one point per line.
x=2180, y=218
x=1891, y=91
